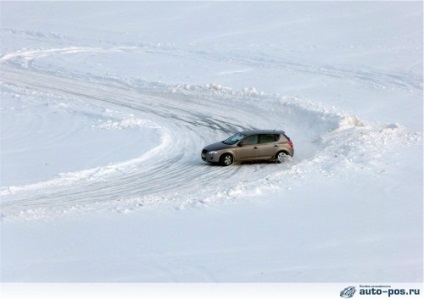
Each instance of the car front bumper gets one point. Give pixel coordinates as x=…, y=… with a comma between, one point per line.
x=210, y=158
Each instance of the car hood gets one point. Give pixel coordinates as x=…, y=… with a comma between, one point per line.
x=217, y=146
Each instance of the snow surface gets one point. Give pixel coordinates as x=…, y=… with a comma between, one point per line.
x=105, y=108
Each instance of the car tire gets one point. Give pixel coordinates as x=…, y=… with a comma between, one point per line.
x=282, y=157
x=226, y=159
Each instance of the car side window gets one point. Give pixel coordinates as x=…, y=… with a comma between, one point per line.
x=267, y=138
x=251, y=140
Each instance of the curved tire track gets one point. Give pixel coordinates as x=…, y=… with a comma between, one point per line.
x=172, y=173
x=188, y=124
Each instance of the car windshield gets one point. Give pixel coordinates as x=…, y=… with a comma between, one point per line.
x=234, y=139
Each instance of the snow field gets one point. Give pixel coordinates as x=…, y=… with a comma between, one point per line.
x=105, y=109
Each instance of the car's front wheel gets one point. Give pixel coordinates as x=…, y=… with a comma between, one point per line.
x=226, y=159
x=282, y=157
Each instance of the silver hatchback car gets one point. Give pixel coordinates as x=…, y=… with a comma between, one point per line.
x=251, y=145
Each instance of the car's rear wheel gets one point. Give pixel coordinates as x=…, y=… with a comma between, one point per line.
x=226, y=159
x=282, y=157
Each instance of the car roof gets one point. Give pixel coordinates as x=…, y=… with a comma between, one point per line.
x=257, y=131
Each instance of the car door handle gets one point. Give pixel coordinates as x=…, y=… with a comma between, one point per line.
x=275, y=146
x=255, y=147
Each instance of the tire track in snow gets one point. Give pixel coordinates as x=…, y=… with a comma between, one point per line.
x=173, y=166
x=371, y=78
x=172, y=173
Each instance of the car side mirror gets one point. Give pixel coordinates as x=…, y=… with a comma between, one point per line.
x=240, y=144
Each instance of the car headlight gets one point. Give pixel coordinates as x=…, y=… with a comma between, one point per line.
x=212, y=152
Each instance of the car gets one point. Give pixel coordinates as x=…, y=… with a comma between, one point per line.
x=250, y=145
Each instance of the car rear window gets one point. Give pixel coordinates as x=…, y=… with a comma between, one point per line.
x=268, y=138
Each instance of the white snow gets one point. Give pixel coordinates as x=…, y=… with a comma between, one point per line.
x=105, y=107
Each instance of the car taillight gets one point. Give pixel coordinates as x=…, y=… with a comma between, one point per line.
x=291, y=143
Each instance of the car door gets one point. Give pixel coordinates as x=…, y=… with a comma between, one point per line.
x=248, y=148
x=268, y=145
